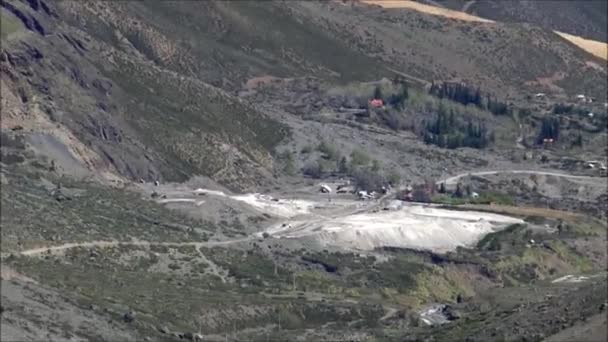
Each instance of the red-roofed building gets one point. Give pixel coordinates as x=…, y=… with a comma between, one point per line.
x=376, y=103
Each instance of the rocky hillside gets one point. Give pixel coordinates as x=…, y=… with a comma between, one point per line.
x=146, y=90
x=245, y=110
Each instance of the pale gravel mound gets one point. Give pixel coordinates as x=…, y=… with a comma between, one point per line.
x=417, y=226
x=278, y=207
x=281, y=208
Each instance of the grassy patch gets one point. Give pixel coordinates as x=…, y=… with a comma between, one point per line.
x=514, y=234
x=93, y=213
x=486, y=197
x=9, y=24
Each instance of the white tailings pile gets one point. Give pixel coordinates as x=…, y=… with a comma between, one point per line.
x=359, y=225
x=181, y=200
x=413, y=226
x=285, y=208
x=278, y=207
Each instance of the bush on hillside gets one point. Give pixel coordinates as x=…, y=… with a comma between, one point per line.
x=445, y=131
x=368, y=180
x=314, y=169
x=329, y=151
x=359, y=158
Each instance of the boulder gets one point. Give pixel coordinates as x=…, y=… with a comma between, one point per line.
x=450, y=313
x=129, y=317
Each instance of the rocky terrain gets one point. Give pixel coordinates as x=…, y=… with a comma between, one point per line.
x=301, y=170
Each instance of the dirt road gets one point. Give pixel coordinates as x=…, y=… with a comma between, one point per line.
x=102, y=244
x=454, y=179
x=312, y=221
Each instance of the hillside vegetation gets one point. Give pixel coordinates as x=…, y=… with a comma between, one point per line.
x=239, y=170
x=586, y=19
x=498, y=11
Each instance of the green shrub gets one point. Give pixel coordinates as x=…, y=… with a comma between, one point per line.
x=287, y=160
x=306, y=149
x=359, y=158
x=394, y=178
x=329, y=151
x=317, y=168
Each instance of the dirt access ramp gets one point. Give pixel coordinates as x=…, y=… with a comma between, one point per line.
x=596, y=48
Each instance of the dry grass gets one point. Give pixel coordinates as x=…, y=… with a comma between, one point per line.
x=524, y=211
x=444, y=12
x=596, y=48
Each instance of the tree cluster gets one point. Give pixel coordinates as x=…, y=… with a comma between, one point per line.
x=457, y=92
x=445, y=131
x=463, y=94
x=396, y=100
x=549, y=129
x=561, y=108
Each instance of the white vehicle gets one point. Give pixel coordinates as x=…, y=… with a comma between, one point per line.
x=326, y=189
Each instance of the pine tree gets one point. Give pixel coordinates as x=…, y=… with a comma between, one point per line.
x=579, y=140
x=442, y=188
x=404, y=92
x=343, y=166
x=477, y=98
x=458, y=193
x=375, y=165
x=378, y=93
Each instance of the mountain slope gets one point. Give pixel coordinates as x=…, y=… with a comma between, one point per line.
x=598, y=48
x=499, y=57
x=582, y=18
x=271, y=99
x=129, y=91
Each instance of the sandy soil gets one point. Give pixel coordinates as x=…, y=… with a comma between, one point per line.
x=454, y=179
x=444, y=12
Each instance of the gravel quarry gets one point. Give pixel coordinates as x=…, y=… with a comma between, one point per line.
x=413, y=226
x=350, y=224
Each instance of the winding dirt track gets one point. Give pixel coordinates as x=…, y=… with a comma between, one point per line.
x=93, y=244
x=454, y=179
